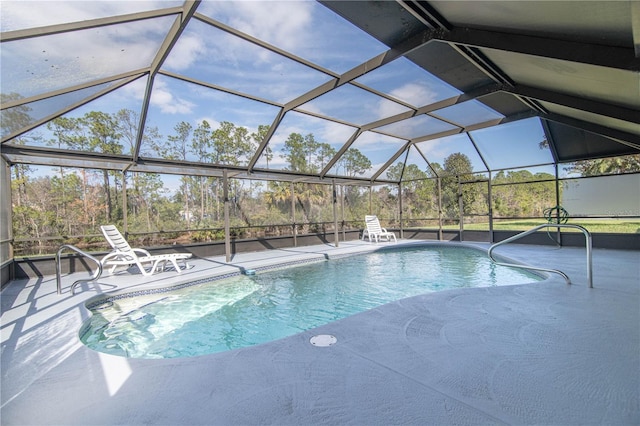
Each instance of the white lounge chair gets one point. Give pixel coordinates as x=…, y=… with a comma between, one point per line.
x=375, y=231
x=124, y=255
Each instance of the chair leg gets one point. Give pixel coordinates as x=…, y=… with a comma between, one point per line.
x=144, y=271
x=175, y=265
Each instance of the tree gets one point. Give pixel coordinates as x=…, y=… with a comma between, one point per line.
x=176, y=148
x=128, y=122
x=518, y=193
x=354, y=162
x=145, y=197
x=419, y=192
x=606, y=166
x=296, y=153
x=258, y=137
x=201, y=144
x=457, y=168
x=325, y=153
x=103, y=136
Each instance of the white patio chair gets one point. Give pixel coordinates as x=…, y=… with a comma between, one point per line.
x=375, y=231
x=124, y=255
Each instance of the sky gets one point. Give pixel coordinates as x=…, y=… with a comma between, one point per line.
x=204, y=53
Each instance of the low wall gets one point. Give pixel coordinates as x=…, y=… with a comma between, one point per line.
x=38, y=266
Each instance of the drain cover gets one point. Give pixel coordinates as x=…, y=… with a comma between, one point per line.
x=323, y=340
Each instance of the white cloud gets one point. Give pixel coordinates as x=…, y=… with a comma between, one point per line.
x=386, y=108
x=415, y=93
x=213, y=123
x=435, y=149
x=167, y=102
x=185, y=53
x=284, y=24
x=334, y=134
x=16, y=15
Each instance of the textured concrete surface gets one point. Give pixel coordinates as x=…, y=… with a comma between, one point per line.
x=543, y=353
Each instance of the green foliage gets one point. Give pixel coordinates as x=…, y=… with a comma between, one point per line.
x=68, y=203
x=457, y=169
x=606, y=166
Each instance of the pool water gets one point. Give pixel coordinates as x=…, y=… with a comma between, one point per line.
x=247, y=310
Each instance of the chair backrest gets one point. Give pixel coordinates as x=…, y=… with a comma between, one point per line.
x=373, y=224
x=115, y=238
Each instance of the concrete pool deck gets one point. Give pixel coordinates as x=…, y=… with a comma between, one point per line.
x=543, y=353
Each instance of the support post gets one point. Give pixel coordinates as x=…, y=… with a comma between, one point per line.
x=558, y=232
x=344, y=231
x=439, y=208
x=336, y=235
x=490, y=203
x=460, y=208
x=125, y=221
x=227, y=228
x=400, y=207
x=293, y=214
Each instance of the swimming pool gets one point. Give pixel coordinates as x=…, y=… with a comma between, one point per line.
x=246, y=310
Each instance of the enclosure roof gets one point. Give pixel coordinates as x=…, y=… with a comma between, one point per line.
x=508, y=84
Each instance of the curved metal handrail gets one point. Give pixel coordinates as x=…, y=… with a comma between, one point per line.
x=94, y=277
x=588, y=244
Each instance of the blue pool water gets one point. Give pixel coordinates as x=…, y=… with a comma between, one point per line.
x=247, y=310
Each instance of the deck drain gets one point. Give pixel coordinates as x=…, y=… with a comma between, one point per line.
x=323, y=340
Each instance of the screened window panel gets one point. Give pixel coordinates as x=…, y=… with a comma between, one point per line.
x=232, y=134
x=356, y=204
x=354, y=105
x=602, y=166
x=415, y=127
x=377, y=149
x=15, y=118
x=478, y=203
x=306, y=29
x=523, y=200
x=467, y=113
x=436, y=151
x=395, y=171
x=525, y=174
x=406, y=81
x=319, y=141
x=207, y=54
x=15, y=16
x=39, y=65
x=97, y=126
x=264, y=203
x=384, y=204
x=513, y=145
x=616, y=195
x=419, y=166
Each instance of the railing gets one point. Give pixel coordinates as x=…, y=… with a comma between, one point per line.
x=95, y=276
x=588, y=244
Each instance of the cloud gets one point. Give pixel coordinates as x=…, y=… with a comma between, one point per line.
x=415, y=93
x=283, y=24
x=185, y=53
x=162, y=98
x=17, y=15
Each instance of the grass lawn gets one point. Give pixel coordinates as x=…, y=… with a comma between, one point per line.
x=616, y=226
